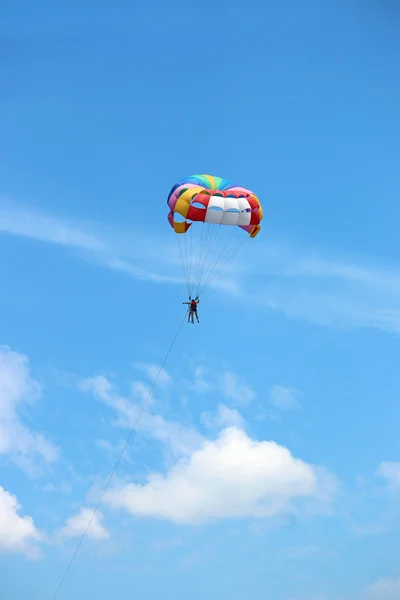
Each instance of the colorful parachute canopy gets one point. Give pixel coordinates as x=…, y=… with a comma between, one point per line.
x=199, y=205
x=213, y=200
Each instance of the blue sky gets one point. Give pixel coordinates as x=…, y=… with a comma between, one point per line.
x=267, y=462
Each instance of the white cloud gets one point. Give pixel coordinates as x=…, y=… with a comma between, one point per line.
x=17, y=220
x=225, y=416
x=316, y=596
x=300, y=552
x=102, y=389
x=386, y=588
x=18, y=388
x=113, y=249
x=113, y=451
x=231, y=477
x=391, y=472
x=142, y=392
x=152, y=371
x=17, y=534
x=179, y=438
x=306, y=287
x=328, y=292
x=284, y=398
x=232, y=388
x=77, y=525
x=202, y=381
x=226, y=383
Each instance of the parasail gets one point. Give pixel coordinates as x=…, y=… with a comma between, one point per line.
x=212, y=218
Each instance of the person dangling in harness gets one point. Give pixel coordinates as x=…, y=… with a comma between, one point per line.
x=192, y=310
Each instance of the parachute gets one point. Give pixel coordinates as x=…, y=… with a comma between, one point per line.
x=211, y=217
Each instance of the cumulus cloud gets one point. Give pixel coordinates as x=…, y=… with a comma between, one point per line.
x=202, y=381
x=225, y=416
x=152, y=371
x=142, y=392
x=234, y=389
x=284, y=398
x=391, y=472
x=179, y=438
x=226, y=383
x=17, y=534
x=386, y=588
x=77, y=524
x=231, y=477
x=18, y=389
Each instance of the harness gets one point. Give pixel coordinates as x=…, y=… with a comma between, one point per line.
x=193, y=306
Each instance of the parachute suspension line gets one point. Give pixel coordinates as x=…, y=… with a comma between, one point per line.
x=187, y=262
x=182, y=238
x=233, y=234
x=227, y=253
x=229, y=256
x=210, y=234
x=190, y=264
x=181, y=244
x=131, y=433
x=215, y=234
x=213, y=267
x=178, y=241
x=200, y=255
x=205, y=250
x=211, y=250
x=201, y=246
x=233, y=246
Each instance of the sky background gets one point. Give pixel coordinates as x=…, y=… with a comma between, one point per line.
x=267, y=462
